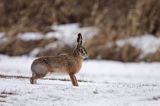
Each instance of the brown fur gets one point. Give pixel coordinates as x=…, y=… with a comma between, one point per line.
x=64, y=63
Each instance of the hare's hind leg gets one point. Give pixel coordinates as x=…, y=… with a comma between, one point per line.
x=73, y=79
x=33, y=79
x=38, y=71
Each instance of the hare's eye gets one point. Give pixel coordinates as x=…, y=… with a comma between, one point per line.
x=81, y=50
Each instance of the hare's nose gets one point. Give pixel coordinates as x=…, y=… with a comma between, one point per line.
x=86, y=57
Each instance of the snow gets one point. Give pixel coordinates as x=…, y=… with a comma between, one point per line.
x=63, y=94
x=28, y=36
x=2, y=37
x=35, y=51
x=2, y=34
x=66, y=34
x=53, y=45
x=15, y=65
x=104, y=83
x=146, y=43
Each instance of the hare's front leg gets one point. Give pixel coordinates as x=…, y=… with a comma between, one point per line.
x=73, y=79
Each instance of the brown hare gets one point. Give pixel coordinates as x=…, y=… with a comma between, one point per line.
x=65, y=63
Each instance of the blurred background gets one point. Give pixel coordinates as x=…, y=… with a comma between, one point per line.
x=123, y=30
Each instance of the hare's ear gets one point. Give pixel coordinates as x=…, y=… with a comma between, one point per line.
x=79, y=39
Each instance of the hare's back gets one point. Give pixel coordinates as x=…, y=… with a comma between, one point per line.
x=60, y=63
x=60, y=60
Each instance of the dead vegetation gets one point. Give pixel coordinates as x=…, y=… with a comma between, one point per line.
x=126, y=53
x=4, y=94
x=120, y=18
x=152, y=57
x=14, y=47
x=115, y=19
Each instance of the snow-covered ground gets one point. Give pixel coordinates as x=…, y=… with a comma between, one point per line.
x=103, y=83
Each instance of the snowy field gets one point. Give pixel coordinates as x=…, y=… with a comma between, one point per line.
x=101, y=83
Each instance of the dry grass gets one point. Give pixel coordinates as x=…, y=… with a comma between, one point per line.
x=126, y=53
x=4, y=94
x=33, y=15
x=16, y=47
x=122, y=17
x=152, y=57
x=7, y=93
x=115, y=19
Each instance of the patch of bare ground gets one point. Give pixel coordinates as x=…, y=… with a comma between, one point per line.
x=155, y=98
x=4, y=94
